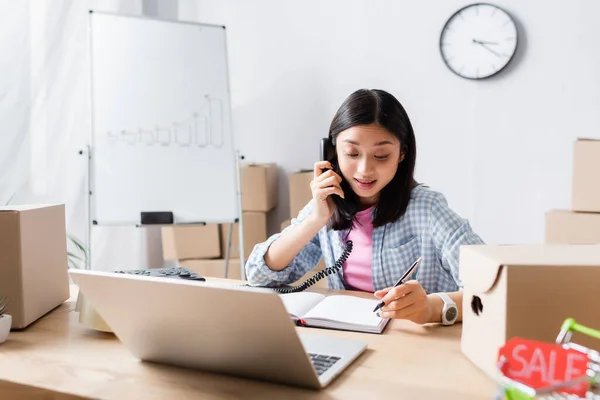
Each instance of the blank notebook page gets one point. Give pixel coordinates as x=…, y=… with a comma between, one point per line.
x=348, y=309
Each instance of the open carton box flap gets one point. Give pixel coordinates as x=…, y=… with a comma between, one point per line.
x=483, y=264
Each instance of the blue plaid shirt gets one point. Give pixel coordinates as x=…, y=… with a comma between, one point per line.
x=429, y=228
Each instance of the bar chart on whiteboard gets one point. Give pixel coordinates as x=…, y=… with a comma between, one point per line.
x=202, y=128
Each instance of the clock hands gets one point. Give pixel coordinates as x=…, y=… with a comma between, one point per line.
x=484, y=42
x=485, y=45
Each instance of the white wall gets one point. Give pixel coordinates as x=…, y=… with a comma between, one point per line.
x=500, y=149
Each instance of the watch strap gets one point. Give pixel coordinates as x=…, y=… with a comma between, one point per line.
x=447, y=300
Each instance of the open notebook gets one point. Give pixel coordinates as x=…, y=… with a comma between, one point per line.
x=334, y=312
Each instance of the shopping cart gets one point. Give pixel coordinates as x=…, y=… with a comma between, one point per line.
x=511, y=389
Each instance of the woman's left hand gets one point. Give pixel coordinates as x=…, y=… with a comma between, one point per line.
x=407, y=301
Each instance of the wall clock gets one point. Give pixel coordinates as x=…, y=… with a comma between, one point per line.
x=478, y=41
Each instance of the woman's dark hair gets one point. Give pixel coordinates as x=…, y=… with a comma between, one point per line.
x=365, y=107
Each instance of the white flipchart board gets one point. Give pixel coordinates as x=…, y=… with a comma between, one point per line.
x=161, y=122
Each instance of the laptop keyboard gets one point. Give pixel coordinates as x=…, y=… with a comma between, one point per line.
x=322, y=362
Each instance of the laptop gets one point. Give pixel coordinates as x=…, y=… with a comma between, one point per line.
x=233, y=330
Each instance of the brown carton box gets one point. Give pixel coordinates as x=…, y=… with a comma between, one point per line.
x=255, y=231
x=214, y=268
x=195, y=241
x=525, y=291
x=586, y=175
x=300, y=193
x=569, y=227
x=33, y=261
x=259, y=187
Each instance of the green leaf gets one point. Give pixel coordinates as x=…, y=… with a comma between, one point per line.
x=73, y=255
x=80, y=249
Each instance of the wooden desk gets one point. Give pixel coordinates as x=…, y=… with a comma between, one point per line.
x=57, y=358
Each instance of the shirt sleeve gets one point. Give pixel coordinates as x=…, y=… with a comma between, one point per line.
x=449, y=232
x=258, y=272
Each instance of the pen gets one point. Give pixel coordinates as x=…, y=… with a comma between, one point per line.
x=402, y=279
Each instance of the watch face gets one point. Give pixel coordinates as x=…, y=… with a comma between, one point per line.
x=478, y=41
x=451, y=314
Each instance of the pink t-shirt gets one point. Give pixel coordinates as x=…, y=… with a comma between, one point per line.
x=357, y=268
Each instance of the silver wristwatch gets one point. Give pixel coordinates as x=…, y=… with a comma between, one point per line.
x=449, y=311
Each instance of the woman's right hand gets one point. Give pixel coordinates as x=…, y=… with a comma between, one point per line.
x=322, y=186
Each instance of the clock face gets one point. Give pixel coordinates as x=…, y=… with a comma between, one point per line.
x=478, y=41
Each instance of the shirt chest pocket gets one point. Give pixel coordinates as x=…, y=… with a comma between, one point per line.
x=398, y=258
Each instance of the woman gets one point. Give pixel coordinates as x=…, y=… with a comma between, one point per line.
x=395, y=221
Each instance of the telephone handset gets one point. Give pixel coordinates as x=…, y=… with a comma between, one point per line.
x=347, y=206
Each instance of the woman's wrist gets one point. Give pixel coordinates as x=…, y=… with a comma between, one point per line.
x=315, y=222
x=435, y=306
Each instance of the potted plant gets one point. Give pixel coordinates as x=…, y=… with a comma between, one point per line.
x=5, y=320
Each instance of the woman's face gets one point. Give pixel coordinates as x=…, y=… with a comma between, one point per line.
x=368, y=157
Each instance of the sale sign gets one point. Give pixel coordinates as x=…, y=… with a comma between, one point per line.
x=538, y=365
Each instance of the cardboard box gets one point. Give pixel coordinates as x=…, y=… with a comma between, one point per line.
x=181, y=242
x=586, y=175
x=259, y=187
x=33, y=261
x=526, y=291
x=569, y=227
x=300, y=193
x=214, y=268
x=255, y=231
